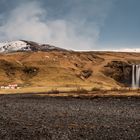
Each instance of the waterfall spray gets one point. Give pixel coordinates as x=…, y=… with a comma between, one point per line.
x=135, y=76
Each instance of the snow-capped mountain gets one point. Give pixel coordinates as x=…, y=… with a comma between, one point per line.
x=23, y=45
x=13, y=46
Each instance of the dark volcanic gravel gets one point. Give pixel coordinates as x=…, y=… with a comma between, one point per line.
x=28, y=117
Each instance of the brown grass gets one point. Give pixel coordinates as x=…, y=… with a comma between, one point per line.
x=56, y=69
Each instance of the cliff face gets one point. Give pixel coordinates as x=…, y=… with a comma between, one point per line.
x=120, y=71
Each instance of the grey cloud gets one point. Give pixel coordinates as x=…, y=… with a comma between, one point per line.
x=78, y=28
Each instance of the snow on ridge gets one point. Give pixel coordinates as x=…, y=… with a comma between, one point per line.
x=136, y=50
x=132, y=50
x=13, y=46
x=21, y=45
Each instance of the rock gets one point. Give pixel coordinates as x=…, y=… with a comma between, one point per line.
x=85, y=74
x=30, y=71
x=120, y=71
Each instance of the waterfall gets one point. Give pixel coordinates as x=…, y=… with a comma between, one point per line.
x=135, y=76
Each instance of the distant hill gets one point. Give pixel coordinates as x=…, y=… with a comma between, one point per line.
x=24, y=45
x=31, y=64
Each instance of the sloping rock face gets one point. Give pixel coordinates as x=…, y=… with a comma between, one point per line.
x=120, y=71
x=85, y=74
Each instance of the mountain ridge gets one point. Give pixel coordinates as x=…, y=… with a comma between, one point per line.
x=24, y=45
x=66, y=68
x=41, y=65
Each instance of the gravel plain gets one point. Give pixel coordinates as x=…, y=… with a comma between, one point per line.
x=31, y=117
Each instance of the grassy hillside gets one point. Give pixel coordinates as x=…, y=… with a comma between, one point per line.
x=67, y=69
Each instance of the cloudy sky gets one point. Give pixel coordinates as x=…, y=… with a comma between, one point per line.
x=72, y=24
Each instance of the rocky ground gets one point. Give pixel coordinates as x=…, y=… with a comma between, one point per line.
x=59, y=118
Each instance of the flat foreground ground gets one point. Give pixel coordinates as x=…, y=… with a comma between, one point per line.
x=65, y=118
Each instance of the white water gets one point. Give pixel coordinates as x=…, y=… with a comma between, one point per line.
x=135, y=76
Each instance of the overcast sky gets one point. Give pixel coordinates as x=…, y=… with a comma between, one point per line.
x=72, y=24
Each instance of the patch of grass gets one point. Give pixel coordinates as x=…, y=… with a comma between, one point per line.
x=54, y=91
x=80, y=90
x=30, y=71
x=115, y=89
x=95, y=89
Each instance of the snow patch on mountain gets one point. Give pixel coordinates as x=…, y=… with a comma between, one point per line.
x=135, y=50
x=23, y=45
x=130, y=50
x=13, y=46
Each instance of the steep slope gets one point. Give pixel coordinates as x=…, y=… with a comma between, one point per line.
x=66, y=68
x=28, y=63
x=49, y=68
